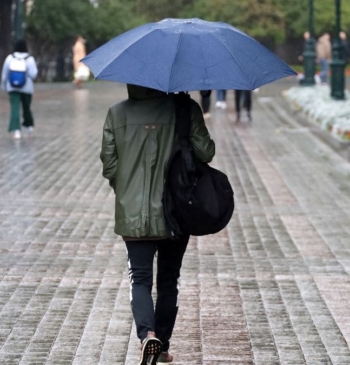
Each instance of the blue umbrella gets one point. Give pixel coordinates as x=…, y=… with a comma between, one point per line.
x=187, y=54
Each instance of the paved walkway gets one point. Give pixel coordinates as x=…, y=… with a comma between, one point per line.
x=271, y=288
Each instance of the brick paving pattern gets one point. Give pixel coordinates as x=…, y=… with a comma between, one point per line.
x=271, y=288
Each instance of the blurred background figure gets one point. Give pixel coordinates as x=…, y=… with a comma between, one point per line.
x=324, y=55
x=205, y=103
x=221, y=99
x=81, y=72
x=345, y=46
x=18, y=72
x=245, y=97
x=306, y=36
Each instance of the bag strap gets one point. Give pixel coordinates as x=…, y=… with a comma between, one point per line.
x=20, y=58
x=183, y=115
x=182, y=130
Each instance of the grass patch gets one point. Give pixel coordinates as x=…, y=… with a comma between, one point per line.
x=300, y=69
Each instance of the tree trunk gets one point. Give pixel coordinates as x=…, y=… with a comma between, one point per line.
x=60, y=64
x=5, y=29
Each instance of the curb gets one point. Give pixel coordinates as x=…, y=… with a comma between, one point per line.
x=291, y=116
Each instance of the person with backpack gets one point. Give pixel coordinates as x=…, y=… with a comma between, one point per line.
x=17, y=78
x=138, y=137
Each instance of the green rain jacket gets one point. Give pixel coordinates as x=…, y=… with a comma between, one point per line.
x=137, y=139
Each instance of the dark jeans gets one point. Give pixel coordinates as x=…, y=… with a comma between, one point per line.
x=16, y=99
x=205, y=100
x=247, y=101
x=160, y=320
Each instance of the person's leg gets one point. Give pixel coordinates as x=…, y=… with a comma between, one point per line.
x=238, y=104
x=218, y=98
x=248, y=103
x=170, y=255
x=238, y=101
x=140, y=256
x=247, y=100
x=28, y=120
x=324, y=70
x=205, y=104
x=223, y=103
x=224, y=95
x=15, y=103
x=78, y=84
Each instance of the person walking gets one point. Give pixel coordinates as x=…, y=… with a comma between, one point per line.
x=136, y=144
x=303, y=47
x=324, y=55
x=205, y=103
x=20, y=93
x=306, y=37
x=81, y=72
x=246, y=95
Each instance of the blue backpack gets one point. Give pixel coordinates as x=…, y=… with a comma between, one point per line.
x=18, y=71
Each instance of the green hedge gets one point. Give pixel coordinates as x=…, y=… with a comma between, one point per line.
x=300, y=68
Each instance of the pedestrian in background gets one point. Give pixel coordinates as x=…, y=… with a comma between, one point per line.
x=205, y=103
x=20, y=94
x=306, y=37
x=243, y=97
x=137, y=141
x=345, y=47
x=221, y=99
x=324, y=55
x=81, y=72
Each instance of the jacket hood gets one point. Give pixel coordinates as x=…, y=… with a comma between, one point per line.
x=141, y=92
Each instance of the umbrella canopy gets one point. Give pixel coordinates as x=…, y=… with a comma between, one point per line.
x=185, y=55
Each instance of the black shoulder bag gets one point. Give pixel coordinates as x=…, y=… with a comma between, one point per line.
x=197, y=199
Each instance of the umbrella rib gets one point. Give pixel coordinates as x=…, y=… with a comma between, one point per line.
x=177, y=51
x=205, y=68
x=230, y=54
x=126, y=50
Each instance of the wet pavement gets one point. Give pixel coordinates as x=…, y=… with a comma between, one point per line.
x=271, y=288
